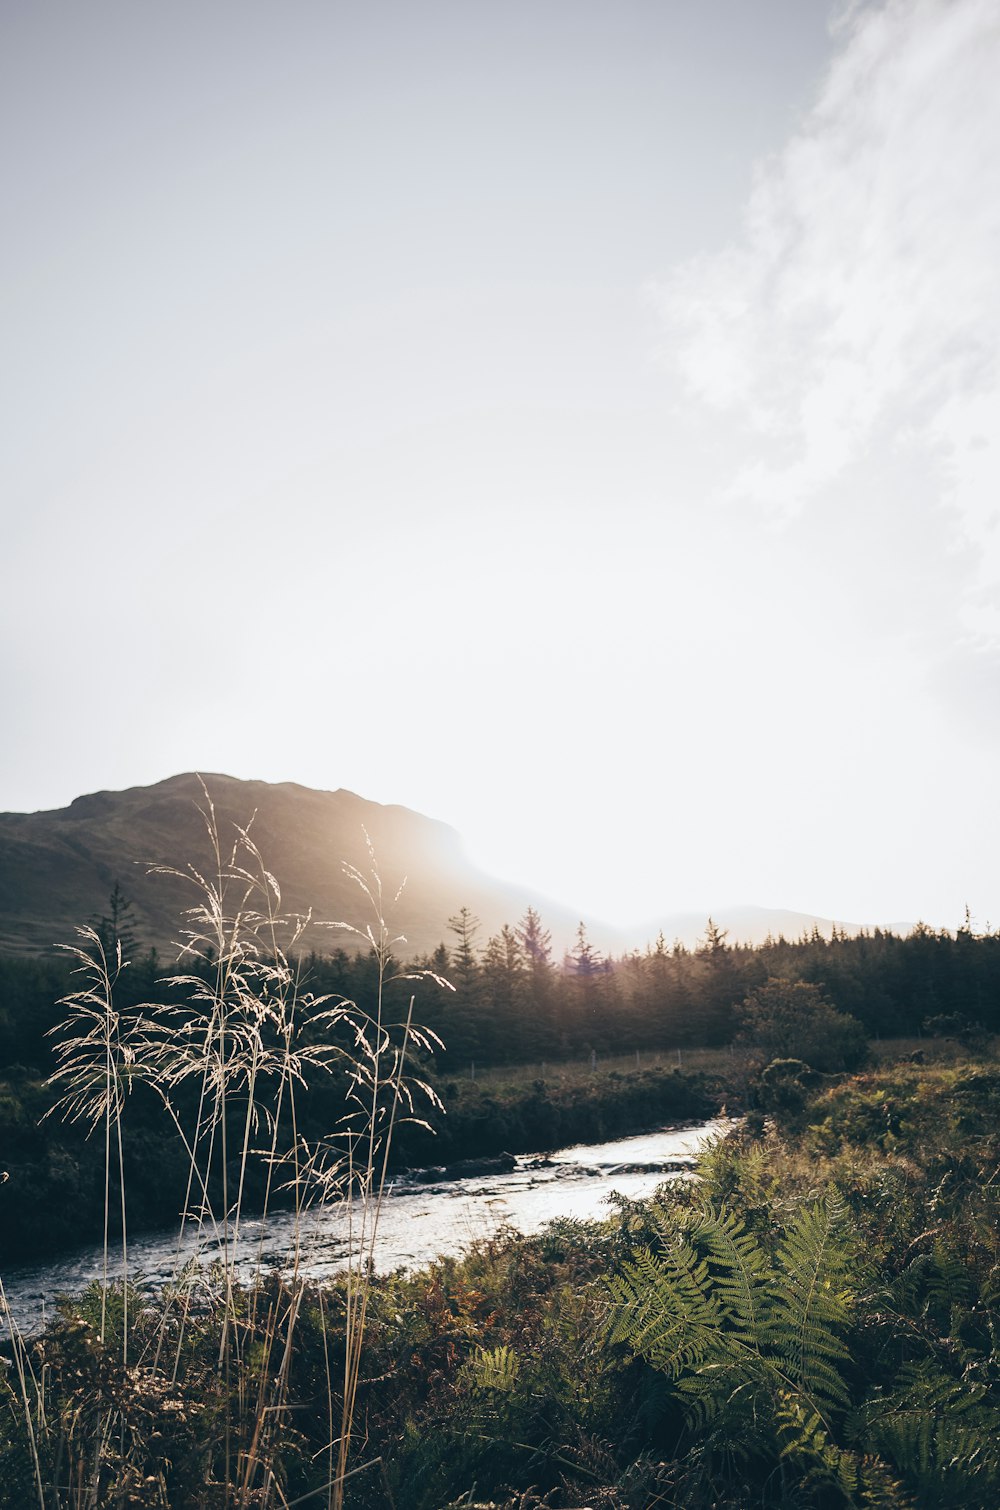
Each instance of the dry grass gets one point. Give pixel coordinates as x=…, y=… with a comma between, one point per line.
x=244, y=1040
x=708, y=1061
x=570, y=1072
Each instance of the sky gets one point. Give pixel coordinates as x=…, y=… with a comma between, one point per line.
x=574, y=420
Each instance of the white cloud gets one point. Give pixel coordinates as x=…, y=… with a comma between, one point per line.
x=860, y=313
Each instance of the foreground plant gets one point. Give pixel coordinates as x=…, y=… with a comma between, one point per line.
x=228, y=1062
x=755, y=1343
x=827, y=1327
x=100, y=1050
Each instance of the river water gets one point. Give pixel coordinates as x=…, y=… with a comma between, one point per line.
x=418, y=1221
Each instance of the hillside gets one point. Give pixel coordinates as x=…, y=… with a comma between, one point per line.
x=57, y=869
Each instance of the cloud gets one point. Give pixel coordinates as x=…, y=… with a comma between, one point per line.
x=859, y=314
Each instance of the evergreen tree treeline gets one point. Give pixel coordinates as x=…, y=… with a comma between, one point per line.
x=513, y=1002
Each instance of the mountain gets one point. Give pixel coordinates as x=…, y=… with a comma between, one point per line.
x=57, y=869
x=748, y=925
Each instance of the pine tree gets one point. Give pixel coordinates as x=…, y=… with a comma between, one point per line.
x=116, y=927
x=465, y=1037
x=590, y=972
x=543, y=996
x=505, y=995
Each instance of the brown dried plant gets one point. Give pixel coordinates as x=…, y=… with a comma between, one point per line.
x=248, y=1037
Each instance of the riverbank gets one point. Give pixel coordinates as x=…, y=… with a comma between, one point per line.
x=52, y=1198
x=508, y=1112
x=672, y=1354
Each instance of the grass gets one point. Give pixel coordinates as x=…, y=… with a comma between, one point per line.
x=228, y=1061
x=493, y=1379
x=580, y=1072
x=690, y=1060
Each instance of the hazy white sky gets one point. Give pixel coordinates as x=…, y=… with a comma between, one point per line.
x=574, y=420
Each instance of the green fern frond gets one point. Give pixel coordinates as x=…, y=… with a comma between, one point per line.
x=813, y=1301
x=805, y=1438
x=739, y=1269
x=663, y=1308
x=949, y=1281
x=495, y=1368
x=933, y=1424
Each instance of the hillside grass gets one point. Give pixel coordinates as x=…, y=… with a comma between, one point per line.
x=581, y=1070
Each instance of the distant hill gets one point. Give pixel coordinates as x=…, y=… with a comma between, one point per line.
x=749, y=925
x=57, y=869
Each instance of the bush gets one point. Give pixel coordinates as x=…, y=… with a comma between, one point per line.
x=783, y=1086
x=786, y=1019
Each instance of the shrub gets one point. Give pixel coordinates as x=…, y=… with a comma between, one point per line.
x=785, y=1019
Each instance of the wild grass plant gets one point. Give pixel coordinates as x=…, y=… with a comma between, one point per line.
x=100, y=1050
x=228, y=1060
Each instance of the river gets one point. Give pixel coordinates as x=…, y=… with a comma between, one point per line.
x=418, y=1222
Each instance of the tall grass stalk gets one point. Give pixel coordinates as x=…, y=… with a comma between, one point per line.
x=99, y=1051
x=29, y=1395
x=229, y=1059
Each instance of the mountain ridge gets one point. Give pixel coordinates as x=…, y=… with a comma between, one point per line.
x=58, y=867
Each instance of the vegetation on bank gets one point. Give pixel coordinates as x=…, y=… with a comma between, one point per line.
x=815, y=1323
x=812, y=1322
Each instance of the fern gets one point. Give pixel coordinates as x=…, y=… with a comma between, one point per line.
x=949, y=1281
x=812, y=1302
x=739, y=1269
x=805, y=1437
x=663, y=1307
x=495, y=1369
x=933, y=1424
x=754, y=1344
